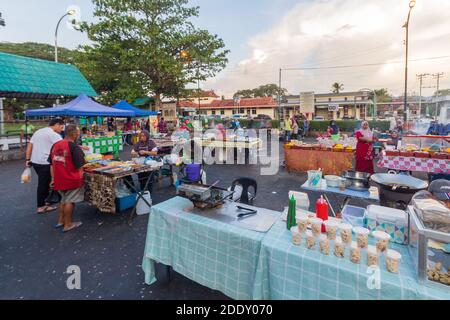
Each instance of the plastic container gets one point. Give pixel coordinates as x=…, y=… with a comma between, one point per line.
x=355, y=253
x=382, y=240
x=125, y=203
x=393, y=261
x=331, y=228
x=324, y=245
x=296, y=236
x=302, y=223
x=339, y=248
x=301, y=198
x=142, y=207
x=316, y=226
x=362, y=236
x=354, y=215
x=345, y=230
x=310, y=240
x=372, y=256
x=392, y=221
x=315, y=178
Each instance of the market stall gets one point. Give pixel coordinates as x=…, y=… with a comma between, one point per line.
x=333, y=156
x=110, y=187
x=372, y=258
x=222, y=255
x=430, y=154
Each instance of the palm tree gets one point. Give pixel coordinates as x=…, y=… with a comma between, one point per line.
x=337, y=87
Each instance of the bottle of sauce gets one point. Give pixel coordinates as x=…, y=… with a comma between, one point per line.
x=290, y=221
x=322, y=210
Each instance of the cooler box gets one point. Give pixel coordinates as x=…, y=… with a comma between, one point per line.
x=125, y=203
x=392, y=221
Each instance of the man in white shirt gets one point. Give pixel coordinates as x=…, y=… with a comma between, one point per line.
x=38, y=151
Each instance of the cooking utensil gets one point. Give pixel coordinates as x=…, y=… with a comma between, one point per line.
x=358, y=181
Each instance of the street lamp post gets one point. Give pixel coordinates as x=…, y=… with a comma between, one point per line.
x=412, y=4
x=68, y=13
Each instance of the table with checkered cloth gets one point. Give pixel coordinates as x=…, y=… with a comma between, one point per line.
x=415, y=164
x=289, y=272
x=212, y=253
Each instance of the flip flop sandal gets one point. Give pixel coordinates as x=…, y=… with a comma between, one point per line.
x=58, y=226
x=50, y=209
x=74, y=226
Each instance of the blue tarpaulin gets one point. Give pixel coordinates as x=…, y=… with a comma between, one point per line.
x=123, y=105
x=82, y=106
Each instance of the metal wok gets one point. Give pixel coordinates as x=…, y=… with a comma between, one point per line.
x=399, y=183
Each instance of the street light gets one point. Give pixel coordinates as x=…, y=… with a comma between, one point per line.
x=412, y=4
x=2, y=21
x=68, y=13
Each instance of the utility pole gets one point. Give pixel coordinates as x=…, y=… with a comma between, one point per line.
x=438, y=77
x=421, y=77
x=279, y=97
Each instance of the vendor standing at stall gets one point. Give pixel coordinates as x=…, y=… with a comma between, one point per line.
x=145, y=147
x=364, y=148
x=333, y=128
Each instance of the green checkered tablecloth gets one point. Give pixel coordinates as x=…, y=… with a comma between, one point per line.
x=289, y=272
x=212, y=253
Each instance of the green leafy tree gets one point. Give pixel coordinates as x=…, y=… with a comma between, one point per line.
x=143, y=42
x=248, y=93
x=382, y=95
x=39, y=50
x=337, y=87
x=268, y=90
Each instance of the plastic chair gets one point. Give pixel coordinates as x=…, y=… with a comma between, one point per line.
x=246, y=183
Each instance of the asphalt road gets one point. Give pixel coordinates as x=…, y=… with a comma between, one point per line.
x=34, y=257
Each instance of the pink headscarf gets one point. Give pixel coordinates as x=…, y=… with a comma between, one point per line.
x=367, y=133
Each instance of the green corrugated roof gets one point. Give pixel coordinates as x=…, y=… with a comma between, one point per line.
x=30, y=76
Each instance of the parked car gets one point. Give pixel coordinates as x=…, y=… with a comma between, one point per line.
x=319, y=118
x=236, y=116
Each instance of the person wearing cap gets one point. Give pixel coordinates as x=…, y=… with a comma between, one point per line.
x=37, y=153
x=440, y=189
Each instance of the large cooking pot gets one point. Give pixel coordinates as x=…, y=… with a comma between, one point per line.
x=397, y=190
x=399, y=183
x=358, y=181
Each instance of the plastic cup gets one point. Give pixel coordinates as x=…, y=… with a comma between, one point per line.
x=372, y=256
x=339, y=248
x=345, y=230
x=382, y=240
x=310, y=240
x=296, y=236
x=316, y=226
x=355, y=253
x=392, y=260
x=362, y=236
x=324, y=245
x=302, y=223
x=331, y=228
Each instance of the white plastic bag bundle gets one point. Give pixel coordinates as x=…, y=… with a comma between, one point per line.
x=26, y=176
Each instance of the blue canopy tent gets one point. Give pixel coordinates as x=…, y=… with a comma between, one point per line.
x=138, y=113
x=82, y=106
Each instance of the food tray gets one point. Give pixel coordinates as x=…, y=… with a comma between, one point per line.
x=217, y=199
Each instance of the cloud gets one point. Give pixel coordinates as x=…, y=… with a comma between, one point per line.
x=345, y=32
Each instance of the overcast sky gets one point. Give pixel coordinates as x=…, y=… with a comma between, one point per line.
x=265, y=35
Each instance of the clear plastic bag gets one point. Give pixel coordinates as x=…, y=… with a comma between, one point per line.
x=26, y=176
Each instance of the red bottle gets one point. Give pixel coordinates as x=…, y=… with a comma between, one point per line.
x=322, y=210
